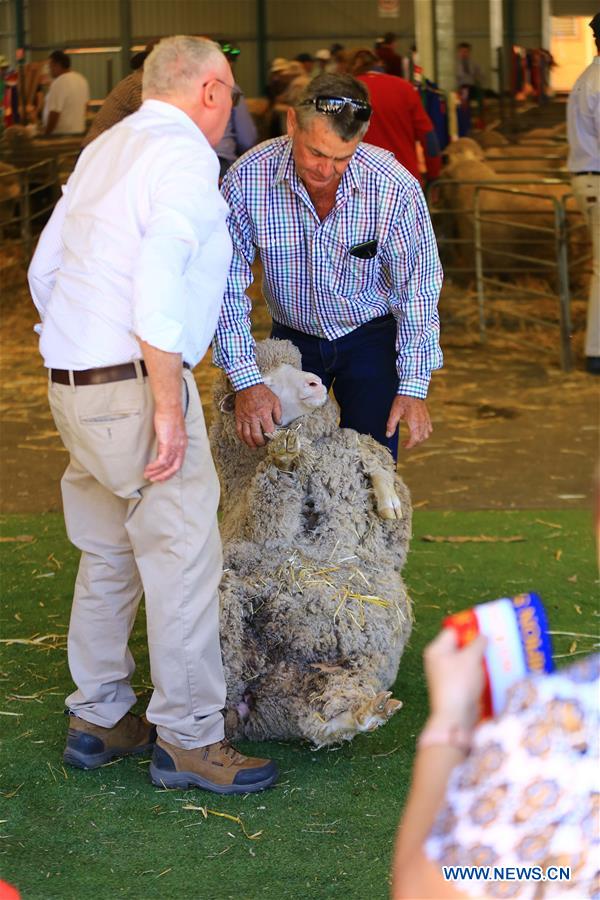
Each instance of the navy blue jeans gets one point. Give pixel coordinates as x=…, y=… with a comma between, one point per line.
x=361, y=368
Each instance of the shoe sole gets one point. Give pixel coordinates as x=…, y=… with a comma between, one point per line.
x=184, y=780
x=88, y=761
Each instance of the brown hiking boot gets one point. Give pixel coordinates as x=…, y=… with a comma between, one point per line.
x=90, y=746
x=217, y=767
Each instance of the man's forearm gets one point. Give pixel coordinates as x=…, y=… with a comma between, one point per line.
x=51, y=122
x=164, y=372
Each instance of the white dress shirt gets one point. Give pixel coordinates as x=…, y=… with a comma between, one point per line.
x=137, y=246
x=68, y=95
x=583, y=121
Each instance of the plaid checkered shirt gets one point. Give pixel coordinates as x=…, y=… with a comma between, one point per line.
x=311, y=281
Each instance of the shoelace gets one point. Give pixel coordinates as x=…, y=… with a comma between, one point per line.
x=234, y=755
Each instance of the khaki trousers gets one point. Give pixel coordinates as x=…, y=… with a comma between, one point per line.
x=586, y=189
x=161, y=539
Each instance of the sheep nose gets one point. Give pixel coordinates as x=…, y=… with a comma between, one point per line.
x=315, y=381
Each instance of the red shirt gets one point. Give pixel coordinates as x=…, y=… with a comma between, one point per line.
x=398, y=121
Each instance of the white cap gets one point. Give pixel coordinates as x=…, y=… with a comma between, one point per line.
x=323, y=54
x=279, y=64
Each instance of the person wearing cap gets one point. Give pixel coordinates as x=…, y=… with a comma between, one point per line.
x=351, y=269
x=307, y=62
x=128, y=279
x=67, y=98
x=583, y=125
x=277, y=80
x=323, y=62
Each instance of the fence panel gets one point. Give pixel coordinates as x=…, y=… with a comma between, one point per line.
x=503, y=249
x=557, y=263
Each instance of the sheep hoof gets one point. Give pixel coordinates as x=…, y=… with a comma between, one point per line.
x=379, y=710
x=390, y=508
x=369, y=716
x=386, y=704
x=284, y=449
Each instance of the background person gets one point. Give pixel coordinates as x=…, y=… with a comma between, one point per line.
x=67, y=98
x=386, y=51
x=398, y=120
x=124, y=99
x=240, y=131
x=520, y=790
x=468, y=73
x=323, y=62
x=128, y=279
x=583, y=124
x=351, y=269
x=307, y=61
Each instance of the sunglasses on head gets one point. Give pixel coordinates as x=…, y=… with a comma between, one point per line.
x=333, y=106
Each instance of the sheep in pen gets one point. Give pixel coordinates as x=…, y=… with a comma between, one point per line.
x=315, y=528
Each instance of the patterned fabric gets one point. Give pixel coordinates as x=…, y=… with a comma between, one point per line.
x=311, y=282
x=123, y=100
x=529, y=793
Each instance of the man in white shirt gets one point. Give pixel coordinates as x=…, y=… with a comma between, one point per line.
x=128, y=278
x=583, y=121
x=67, y=98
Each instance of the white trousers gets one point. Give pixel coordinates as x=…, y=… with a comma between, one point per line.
x=586, y=189
x=161, y=539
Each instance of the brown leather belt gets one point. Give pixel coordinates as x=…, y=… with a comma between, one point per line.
x=103, y=375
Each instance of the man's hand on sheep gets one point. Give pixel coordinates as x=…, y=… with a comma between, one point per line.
x=257, y=412
x=416, y=415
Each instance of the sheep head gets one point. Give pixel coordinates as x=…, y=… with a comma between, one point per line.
x=299, y=392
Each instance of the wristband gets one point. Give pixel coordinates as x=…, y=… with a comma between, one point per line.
x=452, y=736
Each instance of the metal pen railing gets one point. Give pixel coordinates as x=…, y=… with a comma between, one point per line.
x=28, y=211
x=556, y=234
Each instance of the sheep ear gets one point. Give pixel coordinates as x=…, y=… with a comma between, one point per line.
x=227, y=404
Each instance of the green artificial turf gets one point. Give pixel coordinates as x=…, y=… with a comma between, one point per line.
x=326, y=830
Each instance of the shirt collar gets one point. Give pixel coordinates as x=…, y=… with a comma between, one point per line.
x=286, y=171
x=168, y=111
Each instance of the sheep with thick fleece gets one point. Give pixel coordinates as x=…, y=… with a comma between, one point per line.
x=315, y=528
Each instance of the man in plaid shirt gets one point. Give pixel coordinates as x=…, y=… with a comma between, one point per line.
x=351, y=269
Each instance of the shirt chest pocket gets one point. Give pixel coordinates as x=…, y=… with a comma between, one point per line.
x=358, y=276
